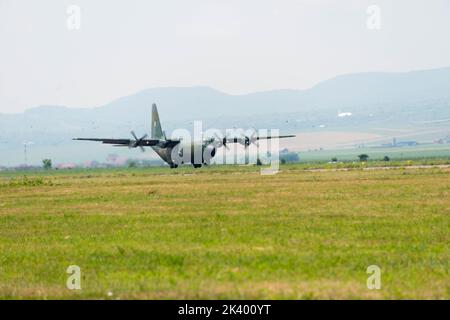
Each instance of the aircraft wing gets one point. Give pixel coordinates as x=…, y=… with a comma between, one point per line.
x=134, y=143
x=244, y=140
x=123, y=142
x=109, y=141
x=141, y=143
x=274, y=137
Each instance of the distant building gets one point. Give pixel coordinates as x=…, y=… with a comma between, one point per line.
x=66, y=166
x=116, y=160
x=443, y=140
x=406, y=143
x=396, y=143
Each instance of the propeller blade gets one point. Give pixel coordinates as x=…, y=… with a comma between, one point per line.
x=250, y=139
x=136, y=142
x=222, y=141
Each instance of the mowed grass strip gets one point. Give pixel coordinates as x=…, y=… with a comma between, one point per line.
x=218, y=234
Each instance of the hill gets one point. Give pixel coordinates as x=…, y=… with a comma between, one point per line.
x=354, y=102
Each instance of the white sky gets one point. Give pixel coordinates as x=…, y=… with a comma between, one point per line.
x=236, y=46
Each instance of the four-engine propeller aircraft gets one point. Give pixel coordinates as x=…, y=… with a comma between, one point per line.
x=165, y=147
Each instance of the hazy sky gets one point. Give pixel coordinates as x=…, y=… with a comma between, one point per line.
x=236, y=46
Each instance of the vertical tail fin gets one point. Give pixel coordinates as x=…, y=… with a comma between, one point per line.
x=157, y=132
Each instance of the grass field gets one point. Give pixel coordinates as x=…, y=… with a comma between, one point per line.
x=419, y=152
x=225, y=233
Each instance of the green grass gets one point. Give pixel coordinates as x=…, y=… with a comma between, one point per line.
x=225, y=232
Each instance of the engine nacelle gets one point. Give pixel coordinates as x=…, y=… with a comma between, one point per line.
x=208, y=153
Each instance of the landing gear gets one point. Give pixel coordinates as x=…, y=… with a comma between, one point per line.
x=197, y=165
x=173, y=166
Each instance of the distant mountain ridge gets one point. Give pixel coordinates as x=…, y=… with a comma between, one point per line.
x=394, y=85
x=373, y=99
x=345, y=91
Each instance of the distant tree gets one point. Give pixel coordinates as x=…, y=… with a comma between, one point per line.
x=334, y=159
x=47, y=164
x=386, y=158
x=283, y=161
x=290, y=157
x=363, y=157
x=132, y=164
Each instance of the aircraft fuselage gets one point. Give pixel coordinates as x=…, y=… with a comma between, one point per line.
x=196, y=154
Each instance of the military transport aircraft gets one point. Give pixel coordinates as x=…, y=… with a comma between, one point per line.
x=171, y=150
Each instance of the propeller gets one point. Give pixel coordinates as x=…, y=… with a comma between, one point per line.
x=247, y=140
x=220, y=141
x=136, y=142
